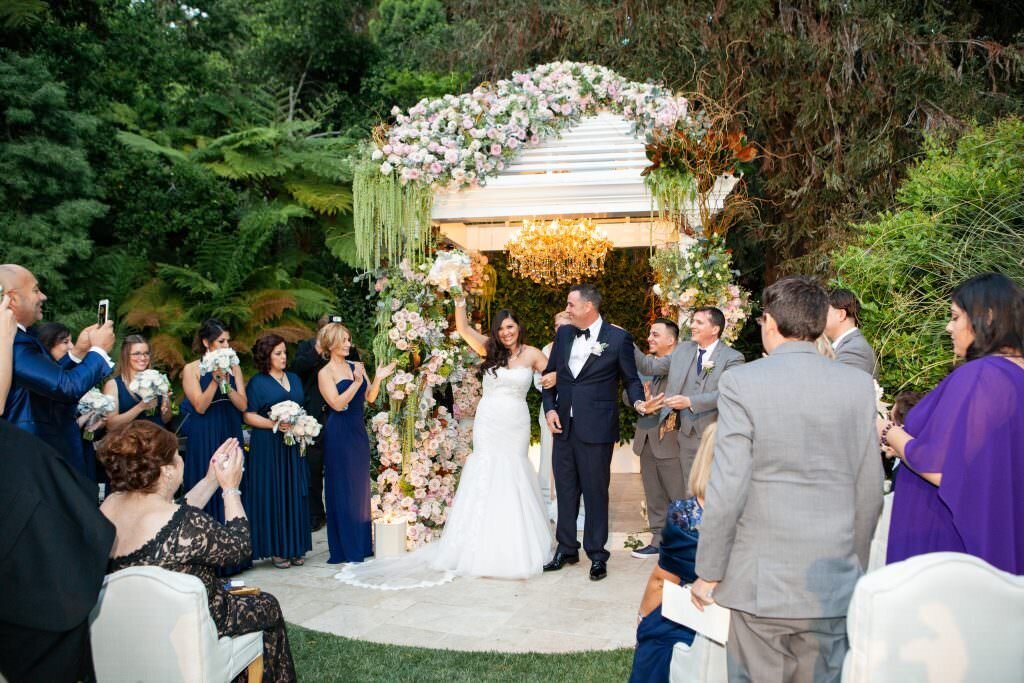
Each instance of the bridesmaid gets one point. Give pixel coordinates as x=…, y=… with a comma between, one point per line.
x=209, y=417
x=277, y=488
x=346, y=445
x=135, y=358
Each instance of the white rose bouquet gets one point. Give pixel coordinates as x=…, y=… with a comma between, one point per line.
x=304, y=432
x=219, y=359
x=286, y=412
x=97, y=406
x=149, y=385
x=450, y=270
x=881, y=407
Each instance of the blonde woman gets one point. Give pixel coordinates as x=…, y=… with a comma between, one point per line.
x=345, y=390
x=656, y=635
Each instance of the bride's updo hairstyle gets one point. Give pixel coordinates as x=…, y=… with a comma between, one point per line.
x=134, y=455
x=497, y=353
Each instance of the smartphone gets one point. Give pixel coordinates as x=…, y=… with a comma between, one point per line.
x=103, y=312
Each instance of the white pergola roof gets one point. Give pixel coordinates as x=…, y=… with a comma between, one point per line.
x=591, y=170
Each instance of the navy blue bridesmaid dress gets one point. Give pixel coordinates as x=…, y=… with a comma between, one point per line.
x=276, y=491
x=126, y=400
x=347, y=480
x=205, y=433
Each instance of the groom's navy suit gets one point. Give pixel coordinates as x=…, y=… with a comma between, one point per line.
x=588, y=409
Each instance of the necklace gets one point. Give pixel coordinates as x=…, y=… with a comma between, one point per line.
x=282, y=380
x=518, y=352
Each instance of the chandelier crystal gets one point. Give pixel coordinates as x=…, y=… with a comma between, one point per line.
x=559, y=251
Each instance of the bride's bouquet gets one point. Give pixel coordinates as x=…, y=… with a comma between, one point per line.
x=96, y=405
x=219, y=359
x=450, y=270
x=149, y=385
x=304, y=432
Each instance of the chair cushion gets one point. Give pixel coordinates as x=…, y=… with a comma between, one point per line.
x=941, y=616
x=241, y=651
x=702, y=662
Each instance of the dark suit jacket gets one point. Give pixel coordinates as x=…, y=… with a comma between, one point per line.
x=42, y=389
x=593, y=395
x=54, y=542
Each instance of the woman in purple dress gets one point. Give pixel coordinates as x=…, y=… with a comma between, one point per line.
x=961, y=486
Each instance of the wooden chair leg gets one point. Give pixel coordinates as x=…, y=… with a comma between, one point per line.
x=256, y=670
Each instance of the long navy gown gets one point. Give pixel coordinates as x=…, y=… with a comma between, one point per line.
x=347, y=480
x=277, y=478
x=205, y=434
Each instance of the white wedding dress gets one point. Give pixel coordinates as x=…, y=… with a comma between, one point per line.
x=497, y=526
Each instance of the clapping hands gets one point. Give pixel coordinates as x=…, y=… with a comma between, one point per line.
x=227, y=464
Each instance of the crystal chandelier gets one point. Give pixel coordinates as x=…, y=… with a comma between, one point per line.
x=558, y=252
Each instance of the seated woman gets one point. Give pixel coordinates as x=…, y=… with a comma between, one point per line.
x=656, y=635
x=152, y=530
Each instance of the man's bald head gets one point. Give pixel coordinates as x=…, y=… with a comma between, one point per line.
x=26, y=297
x=12, y=275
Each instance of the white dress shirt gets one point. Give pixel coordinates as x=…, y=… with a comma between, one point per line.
x=844, y=335
x=581, y=348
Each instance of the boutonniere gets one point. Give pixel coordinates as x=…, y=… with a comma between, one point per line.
x=597, y=348
x=707, y=366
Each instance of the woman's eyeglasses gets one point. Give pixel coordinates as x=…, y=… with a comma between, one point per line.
x=139, y=354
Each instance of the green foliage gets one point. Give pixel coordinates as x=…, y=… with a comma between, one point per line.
x=624, y=287
x=837, y=93
x=960, y=213
x=392, y=220
x=48, y=195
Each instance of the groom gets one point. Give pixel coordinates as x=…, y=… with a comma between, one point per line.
x=589, y=356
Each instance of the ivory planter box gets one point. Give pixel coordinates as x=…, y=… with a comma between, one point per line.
x=389, y=538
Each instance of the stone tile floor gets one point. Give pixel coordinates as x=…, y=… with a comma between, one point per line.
x=555, y=612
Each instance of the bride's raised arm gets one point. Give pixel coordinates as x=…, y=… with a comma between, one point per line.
x=476, y=341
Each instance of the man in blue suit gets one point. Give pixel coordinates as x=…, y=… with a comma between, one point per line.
x=43, y=388
x=582, y=409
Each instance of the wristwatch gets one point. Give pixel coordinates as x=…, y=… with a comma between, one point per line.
x=638, y=406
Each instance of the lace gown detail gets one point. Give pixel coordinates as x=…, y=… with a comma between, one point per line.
x=497, y=526
x=194, y=543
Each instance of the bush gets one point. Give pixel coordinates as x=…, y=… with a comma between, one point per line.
x=960, y=212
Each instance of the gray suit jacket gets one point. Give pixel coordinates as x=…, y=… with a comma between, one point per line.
x=648, y=429
x=796, y=486
x=681, y=368
x=854, y=350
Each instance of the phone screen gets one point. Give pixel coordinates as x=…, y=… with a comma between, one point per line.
x=101, y=312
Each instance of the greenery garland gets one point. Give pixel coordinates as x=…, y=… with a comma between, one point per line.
x=392, y=220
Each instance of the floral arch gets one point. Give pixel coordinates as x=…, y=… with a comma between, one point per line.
x=459, y=142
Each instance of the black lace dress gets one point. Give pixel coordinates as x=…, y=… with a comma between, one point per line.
x=194, y=543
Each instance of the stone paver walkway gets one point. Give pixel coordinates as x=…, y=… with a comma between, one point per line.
x=555, y=612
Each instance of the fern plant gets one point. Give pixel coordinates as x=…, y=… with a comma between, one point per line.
x=290, y=177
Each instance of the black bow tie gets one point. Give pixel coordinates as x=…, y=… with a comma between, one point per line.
x=583, y=333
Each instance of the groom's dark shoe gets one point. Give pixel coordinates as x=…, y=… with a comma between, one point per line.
x=560, y=560
x=598, y=570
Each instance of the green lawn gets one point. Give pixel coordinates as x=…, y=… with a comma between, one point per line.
x=325, y=657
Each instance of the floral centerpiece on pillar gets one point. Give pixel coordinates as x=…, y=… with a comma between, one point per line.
x=699, y=273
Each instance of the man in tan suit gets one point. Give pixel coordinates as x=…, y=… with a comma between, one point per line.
x=794, y=496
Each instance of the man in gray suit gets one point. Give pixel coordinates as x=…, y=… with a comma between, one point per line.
x=660, y=468
x=794, y=496
x=691, y=387
x=842, y=328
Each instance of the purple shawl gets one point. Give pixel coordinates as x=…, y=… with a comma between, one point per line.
x=971, y=429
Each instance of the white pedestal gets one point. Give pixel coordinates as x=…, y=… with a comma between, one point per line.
x=389, y=539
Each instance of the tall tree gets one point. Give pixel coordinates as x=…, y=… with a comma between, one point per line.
x=48, y=194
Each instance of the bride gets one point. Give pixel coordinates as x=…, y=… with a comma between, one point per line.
x=497, y=525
